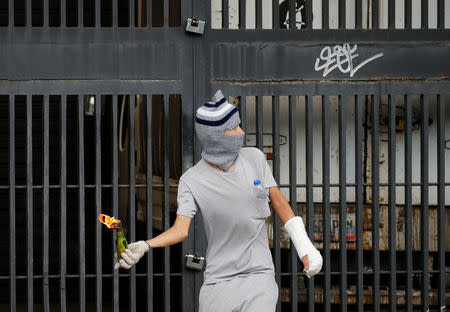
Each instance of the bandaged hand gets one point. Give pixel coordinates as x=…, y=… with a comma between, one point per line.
x=297, y=233
x=132, y=254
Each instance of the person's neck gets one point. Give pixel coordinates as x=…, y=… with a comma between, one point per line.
x=218, y=168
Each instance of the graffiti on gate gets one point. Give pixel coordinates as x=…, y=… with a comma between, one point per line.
x=341, y=57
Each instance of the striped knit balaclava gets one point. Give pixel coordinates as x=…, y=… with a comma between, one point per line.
x=211, y=122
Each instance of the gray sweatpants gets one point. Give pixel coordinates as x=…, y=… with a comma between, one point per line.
x=256, y=292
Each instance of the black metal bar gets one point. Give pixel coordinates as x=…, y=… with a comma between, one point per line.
x=243, y=112
x=292, y=15
x=408, y=201
x=29, y=14
x=441, y=14
x=166, y=203
x=45, y=204
x=149, y=204
x=342, y=17
x=359, y=199
x=225, y=14
x=392, y=205
x=259, y=122
x=342, y=206
x=63, y=13
x=63, y=203
x=275, y=14
x=309, y=186
x=276, y=175
x=166, y=13
x=132, y=194
x=242, y=14
x=81, y=204
x=30, y=277
x=149, y=13
x=424, y=101
x=133, y=13
x=80, y=14
x=309, y=17
x=11, y=17
x=45, y=14
x=115, y=193
x=12, y=205
x=115, y=17
x=326, y=13
x=408, y=14
x=424, y=14
x=259, y=14
x=376, y=202
x=441, y=195
x=293, y=195
x=98, y=201
x=98, y=13
x=391, y=15
x=375, y=14
x=326, y=201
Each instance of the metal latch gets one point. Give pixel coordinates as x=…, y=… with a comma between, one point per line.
x=195, y=262
x=195, y=26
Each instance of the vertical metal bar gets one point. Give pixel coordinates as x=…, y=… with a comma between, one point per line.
x=132, y=189
x=30, y=277
x=342, y=205
x=326, y=200
x=376, y=202
x=81, y=203
x=259, y=14
x=225, y=14
x=166, y=203
x=309, y=15
x=63, y=13
x=29, y=14
x=375, y=14
x=391, y=14
x=242, y=14
x=11, y=17
x=441, y=14
x=441, y=195
x=275, y=14
x=392, y=205
x=293, y=195
x=80, y=13
x=408, y=201
x=292, y=15
x=115, y=17
x=149, y=13
x=63, y=202
x=424, y=101
x=358, y=15
x=115, y=193
x=243, y=112
x=12, y=205
x=98, y=200
x=326, y=13
x=166, y=13
x=259, y=122
x=408, y=14
x=424, y=14
x=359, y=200
x=45, y=204
x=98, y=13
x=276, y=175
x=149, y=204
x=45, y=14
x=309, y=186
x=342, y=17
x=133, y=12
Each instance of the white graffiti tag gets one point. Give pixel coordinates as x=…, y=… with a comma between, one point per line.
x=341, y=57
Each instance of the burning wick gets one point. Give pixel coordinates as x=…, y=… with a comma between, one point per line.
x=113, y=223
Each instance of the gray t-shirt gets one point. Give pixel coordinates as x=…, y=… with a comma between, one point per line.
x=233, y=216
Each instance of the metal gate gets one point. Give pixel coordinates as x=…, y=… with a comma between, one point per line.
x=347, y=99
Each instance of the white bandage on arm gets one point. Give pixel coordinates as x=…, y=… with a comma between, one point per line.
x=297, y=233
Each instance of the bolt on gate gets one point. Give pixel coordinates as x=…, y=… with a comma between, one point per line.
x=346, y=98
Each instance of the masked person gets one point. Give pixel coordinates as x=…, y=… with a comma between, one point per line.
x=231, y=186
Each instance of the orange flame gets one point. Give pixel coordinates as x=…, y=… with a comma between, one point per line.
x=110, y=222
